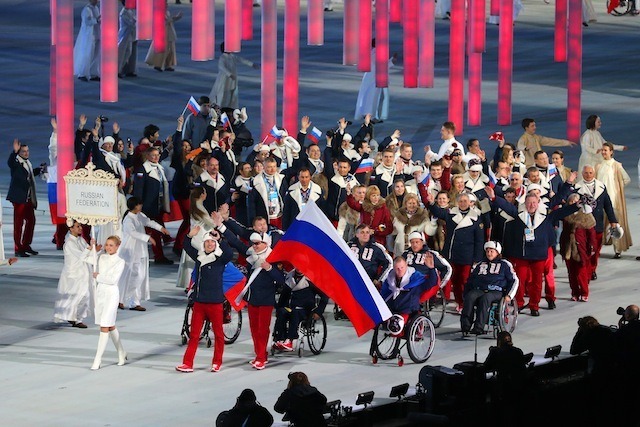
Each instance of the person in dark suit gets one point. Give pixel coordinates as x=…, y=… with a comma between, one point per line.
x=151, y=186
x=22, y=194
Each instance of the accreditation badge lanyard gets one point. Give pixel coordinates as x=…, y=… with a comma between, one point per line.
x=272, y=194
x=304, y=196
x=529, y=233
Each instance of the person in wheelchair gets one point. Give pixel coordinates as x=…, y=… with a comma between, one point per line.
x=489, y=281
x=297, y=301
x=405, y=285
x=416, y=254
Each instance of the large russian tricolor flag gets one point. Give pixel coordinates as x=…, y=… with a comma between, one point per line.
x=314, y=247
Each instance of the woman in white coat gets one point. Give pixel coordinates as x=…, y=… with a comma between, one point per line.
x=74, y=286
x=134, y=283
x=109, y=268
x=591, y=143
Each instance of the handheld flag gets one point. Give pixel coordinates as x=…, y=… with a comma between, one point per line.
x=313, y=246
x=496, y=136
x=233, y=282
x=192, y=106
x=366, y=165
x=492, y=178
x=224, y=119
x=315, y=135
x=275, y=132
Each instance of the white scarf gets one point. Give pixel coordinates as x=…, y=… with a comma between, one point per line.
x=206, y=258
x=213, y=183
x=113, y=160
x=318, y=164
x=257, y=259
x=26, y=164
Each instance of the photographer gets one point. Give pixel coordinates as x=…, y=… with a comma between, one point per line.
x=246, y=413
x=598, y=340
x=303, y=403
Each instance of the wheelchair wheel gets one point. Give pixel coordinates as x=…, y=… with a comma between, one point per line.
x=232, y=323
x=384, y=344
x=421, y=338
x=316, y=332
x=623, y=7
x=186, y=325
x=435, y=308
x=508, y=313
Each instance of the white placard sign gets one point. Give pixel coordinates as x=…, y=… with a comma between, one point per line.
x=92, y=196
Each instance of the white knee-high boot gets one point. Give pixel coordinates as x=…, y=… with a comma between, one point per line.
x=102, y=345
x=122, y=355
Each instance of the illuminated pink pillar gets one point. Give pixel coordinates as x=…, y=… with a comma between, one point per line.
x=382, y=43
x=232, y=25
x=291, y=71
x=494, y=7
x=395, y=11
x=52, y=60
x=268, y=67
x=315, y=23
x=410, y=42
x=64, y=96
x=560, y=35
x=477, y=19
x=574, y=70
x=474, y=106
x=505, y=62
x=364, y=36
x=144, y=23
x=350, y=33
x=109, y=50
x=247, y=19
x=159, y=31
x=456, y=64
x=130, y=4
x=426, y=28
x=203, y=30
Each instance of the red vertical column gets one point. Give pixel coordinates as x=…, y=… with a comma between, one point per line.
x=395, y=11
x=315, y=22
x=109, y=51
x=560, y=34
x=456, y=64
x=478, y=25
x=382, y=43
x=291, y=72
x=410, y=42
x=247, y=19
x=232, y=25
x=269, y=64
x=350, y=33
x=203, y=30
x=159, y=29
x=505, y=62
x=574, y=70
x=64, y=96
x=426, y=55
x=364, y=36
x=130, y=4
x=52, y=59
x=144, y=19
x=494, y=7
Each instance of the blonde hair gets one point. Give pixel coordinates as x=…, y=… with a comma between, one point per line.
x=371, y=190
x=116, y=239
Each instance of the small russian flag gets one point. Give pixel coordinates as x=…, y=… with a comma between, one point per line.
x=224, y=119
x=193, y=106
x=315, y=135
x=496, y=136
x=233, y=281
x=553, y=171
x=366, y=165
x=275, y=132
x=425, y=178
x=492, y=179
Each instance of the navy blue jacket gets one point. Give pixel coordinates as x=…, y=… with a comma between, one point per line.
x=208, y=281
x=464, y=238
x=497, y=275
x=516, y=245
x=408, y=300
x=603, y=205
x=376, y=262
x=19, y=186
x=148, y=189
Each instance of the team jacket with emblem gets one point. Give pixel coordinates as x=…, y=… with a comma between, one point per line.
x=603, y=205
x=404, y=298
x=209, y=268
x=416, y=260
x=497, y=275
x=372, y=256
x=465, y=235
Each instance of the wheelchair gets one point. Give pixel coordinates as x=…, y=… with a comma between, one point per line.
x=310, y=330
x=503, y=316
x=418, y=335
x=619, y=7
x=435, y=307
x=232, y=325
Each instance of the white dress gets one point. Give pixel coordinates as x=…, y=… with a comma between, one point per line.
x=126, y=38
x=225, y=89
x=591, y=141
x=110, y=268
x=134, y=283
x=86, y=52
x=74, y=286
x=371, y=99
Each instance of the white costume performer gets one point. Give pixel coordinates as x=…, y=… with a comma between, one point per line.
x=517, y=8
x=127, y=44
x=591, y=143
x=86, y=52
x=371, y=99
x=225, y=89
x=73, y=303
x=134, y=283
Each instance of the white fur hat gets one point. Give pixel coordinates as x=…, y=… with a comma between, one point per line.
x=491, y=244
x=416, y=235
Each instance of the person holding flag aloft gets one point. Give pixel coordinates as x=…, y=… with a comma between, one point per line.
x=197, y=122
